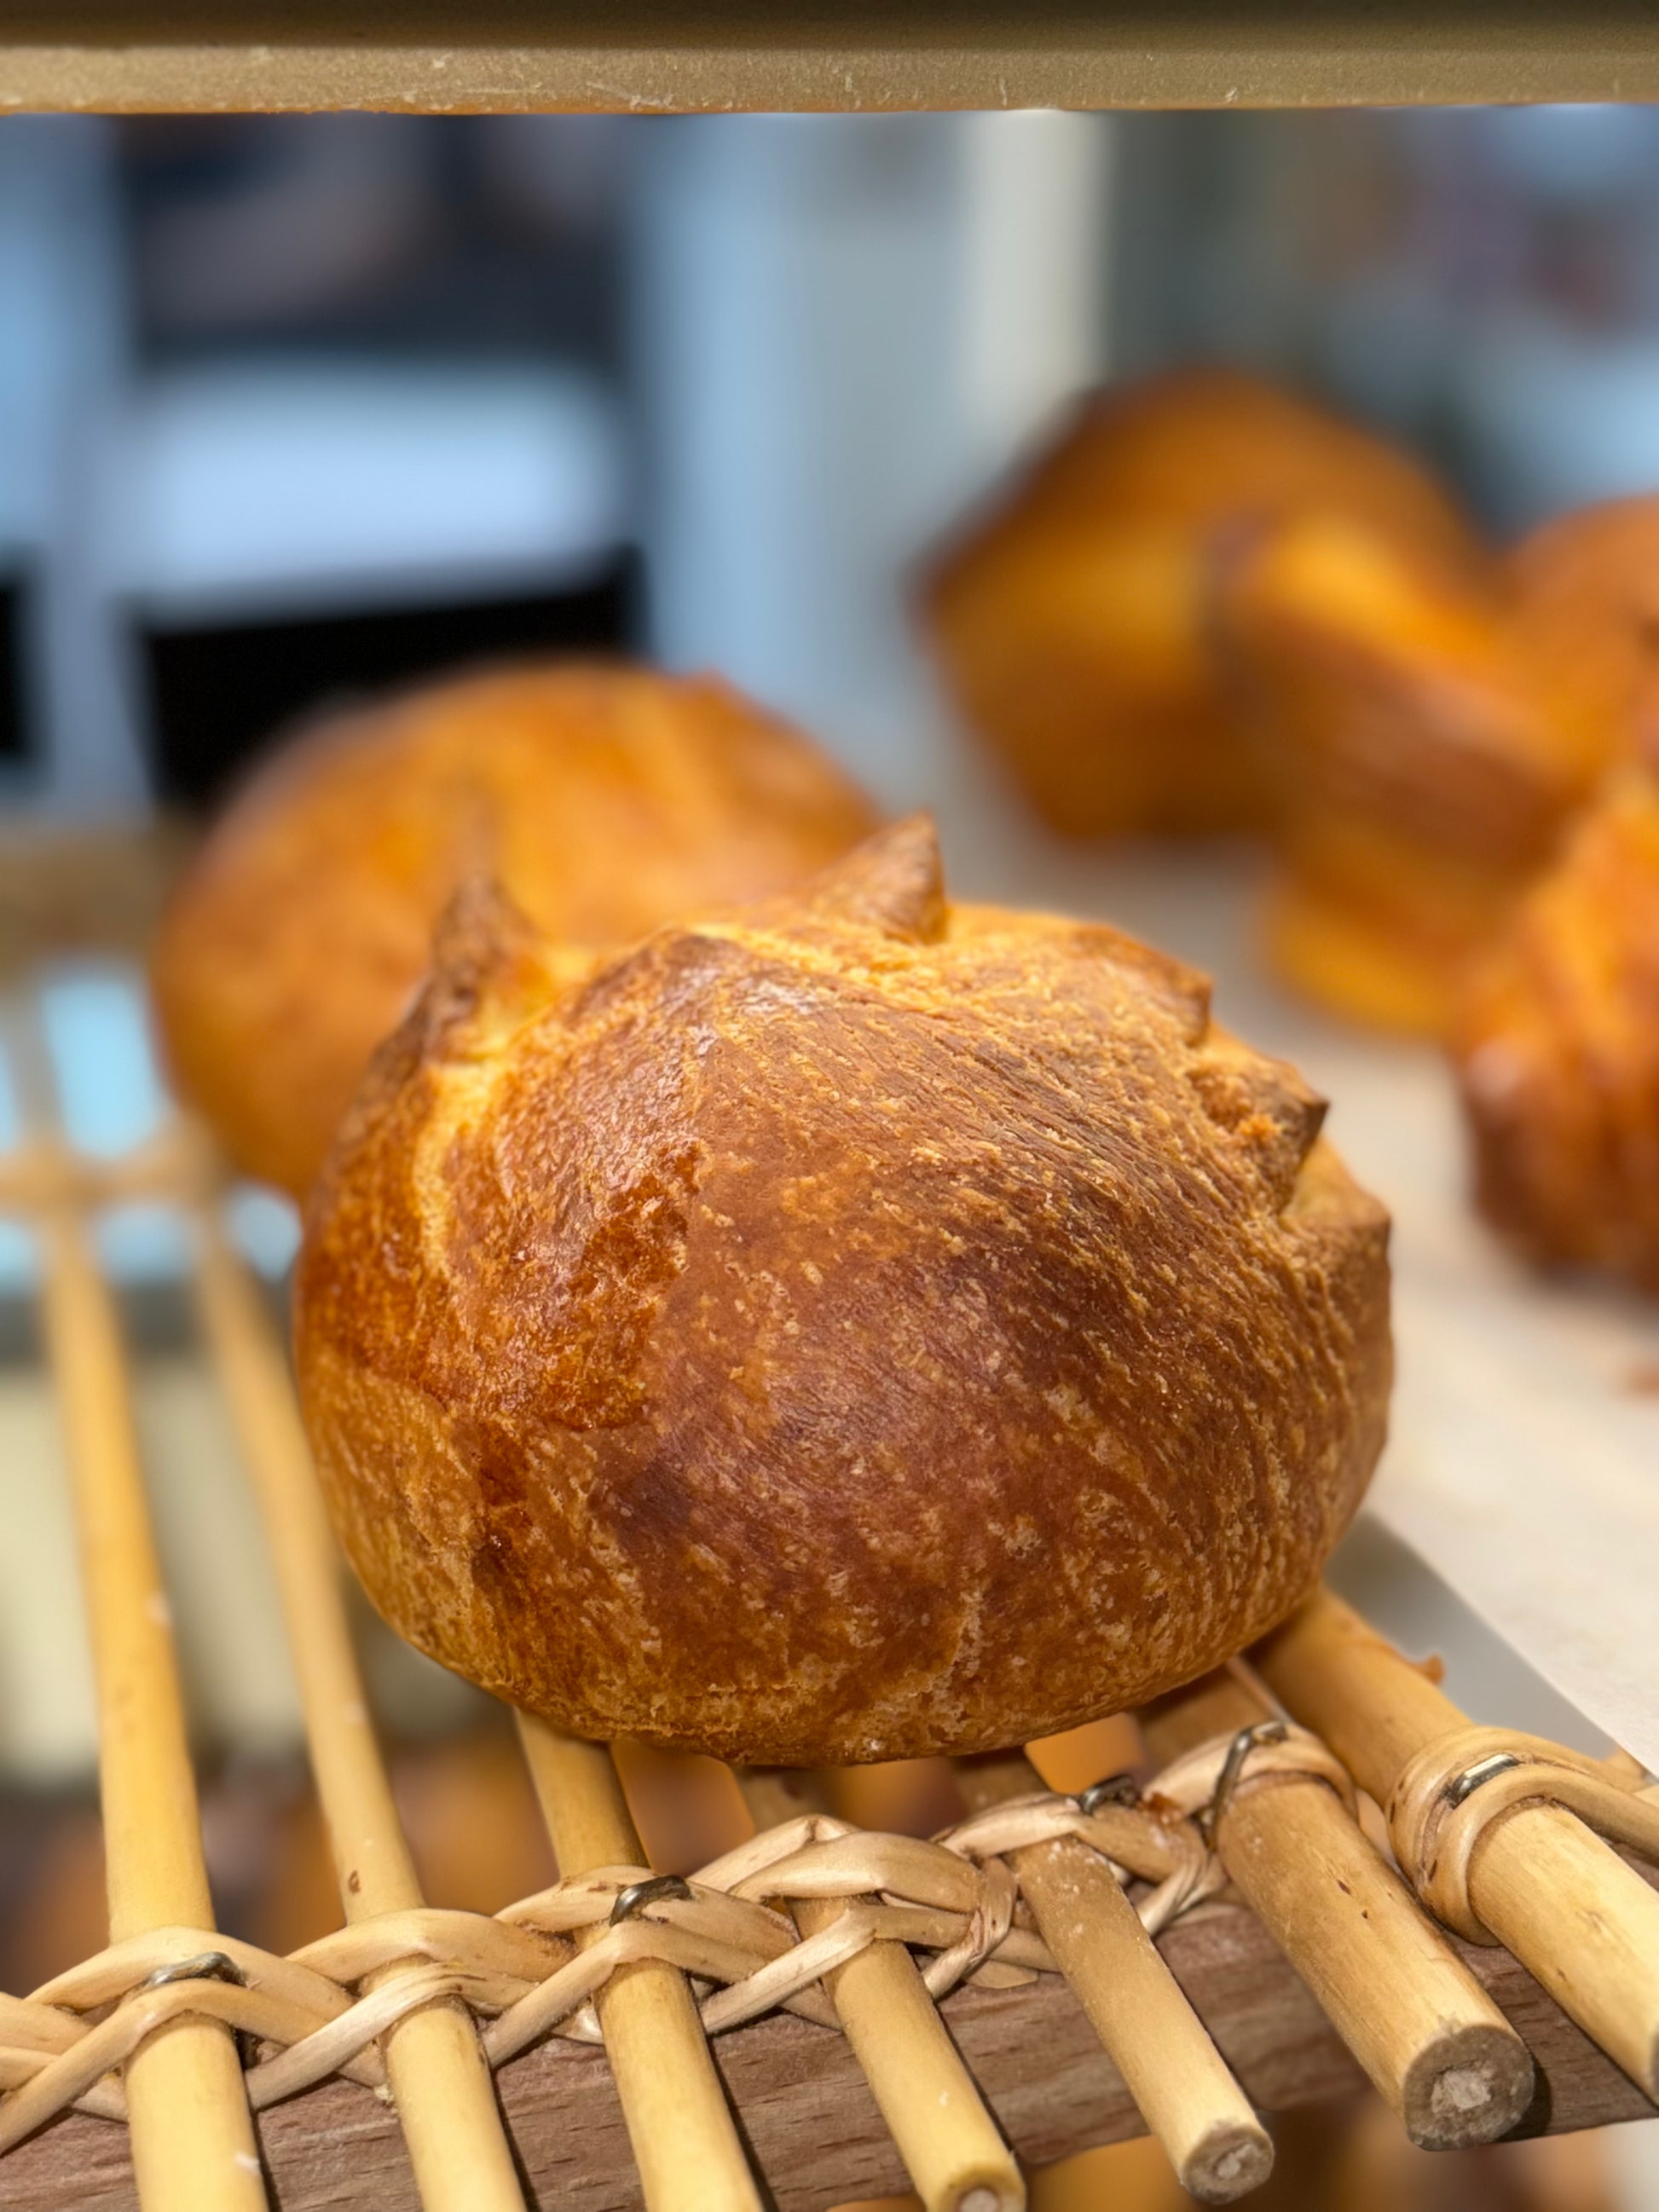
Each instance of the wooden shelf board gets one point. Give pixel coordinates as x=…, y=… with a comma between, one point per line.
x=703, y=56
x=807, y=2114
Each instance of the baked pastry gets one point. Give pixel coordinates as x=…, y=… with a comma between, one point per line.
x=1586, y=590
x=1557, y=1048
x=854, y=1329
x=1420, y=775
x=1072, y=623
x=604, y=799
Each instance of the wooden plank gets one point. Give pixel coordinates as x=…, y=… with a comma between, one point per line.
x=712, y=56
x=808, y=2114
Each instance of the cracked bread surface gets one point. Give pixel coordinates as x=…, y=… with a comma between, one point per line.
x=852, y=1328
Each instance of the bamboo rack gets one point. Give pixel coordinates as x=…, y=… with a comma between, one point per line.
x=1178, y=2078
x=793, y=2021
x=1431, y=2040
x=1539, y=1879
x=953, y=2155
x=433, y=2065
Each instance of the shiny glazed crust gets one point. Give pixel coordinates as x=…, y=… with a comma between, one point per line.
x=606, y=800
x=1072, y=621
x=1558, y=1050
x=852, y=1328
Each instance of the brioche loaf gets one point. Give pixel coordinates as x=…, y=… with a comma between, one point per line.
x=606, y=800
x=1586, y=590
x=852, y=1328
x=1557, y=1048
x=1421, y=776
x=1073, y=620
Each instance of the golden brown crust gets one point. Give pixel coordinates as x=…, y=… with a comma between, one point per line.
x=1586, y=590
x=1072, y=622
x=604, y=799
x=1420, y=774
x=852, y=1328
x=1558, y=1050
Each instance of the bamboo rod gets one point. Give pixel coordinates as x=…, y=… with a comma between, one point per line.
x=684, y=2142
x=193, y=2148
x=1178, y=2078
x=952, y=2151
x=441, y=2083
x=1554, y=1893
x=1430, y=2039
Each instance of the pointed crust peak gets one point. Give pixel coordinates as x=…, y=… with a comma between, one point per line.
x=894, y=882
x=478, y=933
x=490, y=965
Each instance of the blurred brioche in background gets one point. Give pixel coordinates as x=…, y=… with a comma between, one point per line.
x=1557, y=1048
x=1208, y=605
x=1585, y=589
x=604, y=799
x=1072, y=621
x=1418, y=775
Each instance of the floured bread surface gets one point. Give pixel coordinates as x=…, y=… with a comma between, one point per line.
x=854, y=1329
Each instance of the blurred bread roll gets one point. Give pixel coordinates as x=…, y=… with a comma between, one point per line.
x=1557, y=1048
x=853, y=1327
x=1420, y=774
x=604, y=799
x=1072, y=620
x=1586, y=593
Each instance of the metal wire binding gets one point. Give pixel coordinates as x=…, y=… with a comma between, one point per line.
x=1484, y=1770
x=1232, y=1767
x=638, y=1895
x=202, y=1966
x=1114, y=1790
